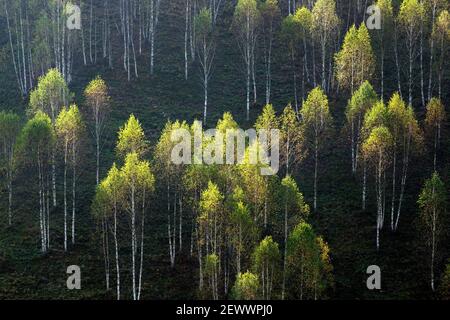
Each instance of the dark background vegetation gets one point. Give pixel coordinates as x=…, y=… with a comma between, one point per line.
x=27, y=274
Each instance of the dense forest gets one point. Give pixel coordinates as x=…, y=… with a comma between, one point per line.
x=94, y=97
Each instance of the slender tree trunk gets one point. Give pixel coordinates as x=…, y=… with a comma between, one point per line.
x=410, y=72
x=421, y=66
x=142, y=246
x=74, y=178
x=116, y=244
x=65, y=196
x=133, y=242
x=433, y=246
x=295, y=80
x=186, y=30
x=403, y=181
x=397, y=64
x=316, y=161
x=364, y=188
x=394, y=165
x=285, y=251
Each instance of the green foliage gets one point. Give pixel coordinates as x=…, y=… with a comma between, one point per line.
x=355, y=62
x=376, y=147
x=211, y=201
x=410, y=14
x=50, y=95
x=226, y=123
x=137, y=175
x=203, y=23
x=293, y=200
x=308, y=262
x=377, y=116
x=246, y=8
x=131, y=138
x=96, y=92
x=36, y=139
x=315, y=112
x=292, y=140
x=10, y=125
x=324, y=19
x=441, y=29
x=246, y=286
x=109, y=194
x=435, y=114
x=266, y=263
x=361, y=101
x=69, y=125
x=162, y=160
x=267, y=120
x=304, y=18
x=432, y=204
x=290, y=31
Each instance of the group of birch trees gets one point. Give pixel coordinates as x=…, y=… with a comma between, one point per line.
x=50, y=143
x=227, y=208
x=309, y=32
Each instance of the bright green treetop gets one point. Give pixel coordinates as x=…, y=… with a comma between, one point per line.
x=131, y=138
x=246, y=286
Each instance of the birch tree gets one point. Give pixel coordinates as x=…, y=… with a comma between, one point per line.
x=410, y=15
x=97, y=100
x=290, y=32
x=309, y=264
x=266, y=263
x=10, y=126
x=355, y=62
x=407, y=140
x=292, y=141
x=361, y=101
x=35, y=147
x=324, y=24
x=246, y=286
x=16, y=16
x=205, y=50
x=139, y=184
x=435, y=6
x=101, y=210
x=114, y=188
x=245, y=23
x=441, y=35
x=50, y=95
x=295, y=209
x=69, y=127
x=168, y=172
x=212, y=273
x=210, y=224
x=108, y=202
x=432, y=204
x=242, y=228
x=270, y=14
x=434, y=119
x=211, y=207
x=376, y=149
x=303, y=18
x=316, y=121
x=153, y=27
x=131, y=139
x=383, y=38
